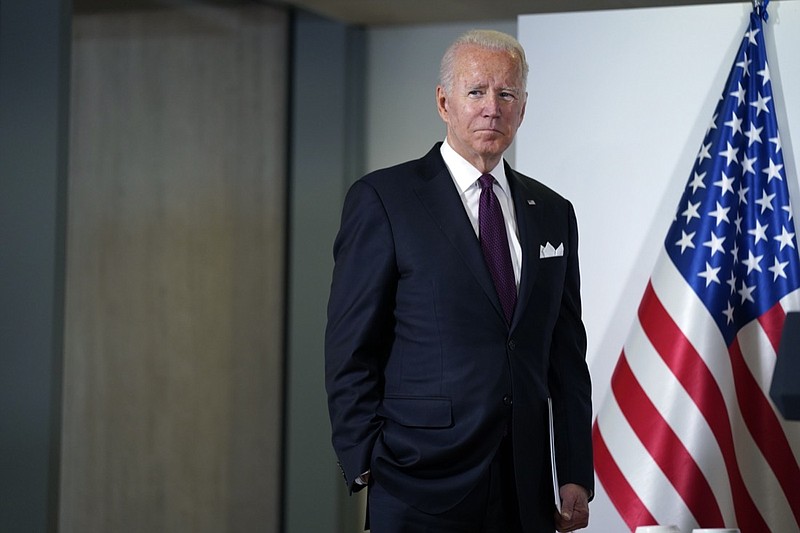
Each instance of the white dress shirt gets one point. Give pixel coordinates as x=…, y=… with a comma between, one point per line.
x=465, y=177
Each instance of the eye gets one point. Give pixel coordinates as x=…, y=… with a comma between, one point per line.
x=475, y=93
x=508, y=96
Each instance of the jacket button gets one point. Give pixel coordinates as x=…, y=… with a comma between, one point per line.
x=512, y=344
x=508, y=400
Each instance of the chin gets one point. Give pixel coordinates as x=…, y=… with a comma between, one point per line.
x=491, y=150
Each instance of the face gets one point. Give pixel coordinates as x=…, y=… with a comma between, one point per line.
x=485, y=105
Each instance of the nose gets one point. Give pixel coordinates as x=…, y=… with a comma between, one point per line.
x=491, y=106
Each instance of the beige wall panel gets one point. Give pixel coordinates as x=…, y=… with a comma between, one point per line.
x=175, y=271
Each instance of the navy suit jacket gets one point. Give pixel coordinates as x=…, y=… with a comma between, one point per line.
x=423, y=373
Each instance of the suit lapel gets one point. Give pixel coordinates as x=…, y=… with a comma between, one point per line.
x=529, y=225
x=440, y=198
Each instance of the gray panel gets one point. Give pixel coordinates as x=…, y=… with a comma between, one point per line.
x=327, y=138
x=175, y=296
x=34, y=52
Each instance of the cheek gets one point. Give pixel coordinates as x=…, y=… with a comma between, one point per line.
x=458, y=120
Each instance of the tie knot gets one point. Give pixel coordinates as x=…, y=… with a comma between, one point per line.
x=486, y=180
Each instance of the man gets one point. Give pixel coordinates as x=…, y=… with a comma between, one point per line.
x=454, y=314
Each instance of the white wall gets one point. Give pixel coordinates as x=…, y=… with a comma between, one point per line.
x=619, y=102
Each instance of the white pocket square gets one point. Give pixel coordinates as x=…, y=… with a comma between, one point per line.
x=547, y=251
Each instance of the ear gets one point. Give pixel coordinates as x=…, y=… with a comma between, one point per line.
x=441, y=103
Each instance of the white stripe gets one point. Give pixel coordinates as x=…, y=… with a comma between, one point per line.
x=681, y=413
x=758, y=354
x=639, y=469
x=791, y=302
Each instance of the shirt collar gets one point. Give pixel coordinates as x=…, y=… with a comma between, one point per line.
x=465, y=175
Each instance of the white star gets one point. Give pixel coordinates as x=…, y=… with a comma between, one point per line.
x=732, y=282
x=742, y=192
x=730, y=153
x=788, y=210
x=735, y=252
x=774, y=171
x=761, y=103
x=697, y=182
x=753, y=134
x=725, y=183
x=729, y=313
x=747, y=164
x=751, y=35
x=704, y=152
x=691, y=211
x=778, y=269
x=747, y=292
x=745, y=65
x=686, y=241
x=752, y=261
x=766, y=201
x=713, y=124
x=776, y=140
x=710, y=274
x=715, y=244
x=785, y=238
x=739, y=94
x=764, y=74
x=735, y=123
x=738, y=222
x=760, y=232
x=720, y=213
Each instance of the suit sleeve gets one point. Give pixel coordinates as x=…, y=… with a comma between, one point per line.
x=569, y=381
x=360, y=328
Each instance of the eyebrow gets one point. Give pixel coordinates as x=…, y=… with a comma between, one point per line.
x=486, y=86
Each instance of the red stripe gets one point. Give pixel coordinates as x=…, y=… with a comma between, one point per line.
x=665, y=446
x=766, y=430
x=772, y=324
x=690, y=369
x=630, y=506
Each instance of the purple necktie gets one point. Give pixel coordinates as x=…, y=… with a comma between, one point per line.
x=494, y=243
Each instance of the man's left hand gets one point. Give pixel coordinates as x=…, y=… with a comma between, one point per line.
x=574, y=508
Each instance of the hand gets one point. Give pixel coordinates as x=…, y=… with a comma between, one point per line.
x=574, y=508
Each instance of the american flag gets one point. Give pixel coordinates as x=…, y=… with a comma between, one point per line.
x=687, y=434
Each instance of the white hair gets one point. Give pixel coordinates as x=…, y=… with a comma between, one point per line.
x=488, y=39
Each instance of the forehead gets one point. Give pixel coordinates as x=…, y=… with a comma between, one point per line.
x=475, y=64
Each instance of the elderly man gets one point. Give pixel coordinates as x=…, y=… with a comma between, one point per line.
x=454, y=315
